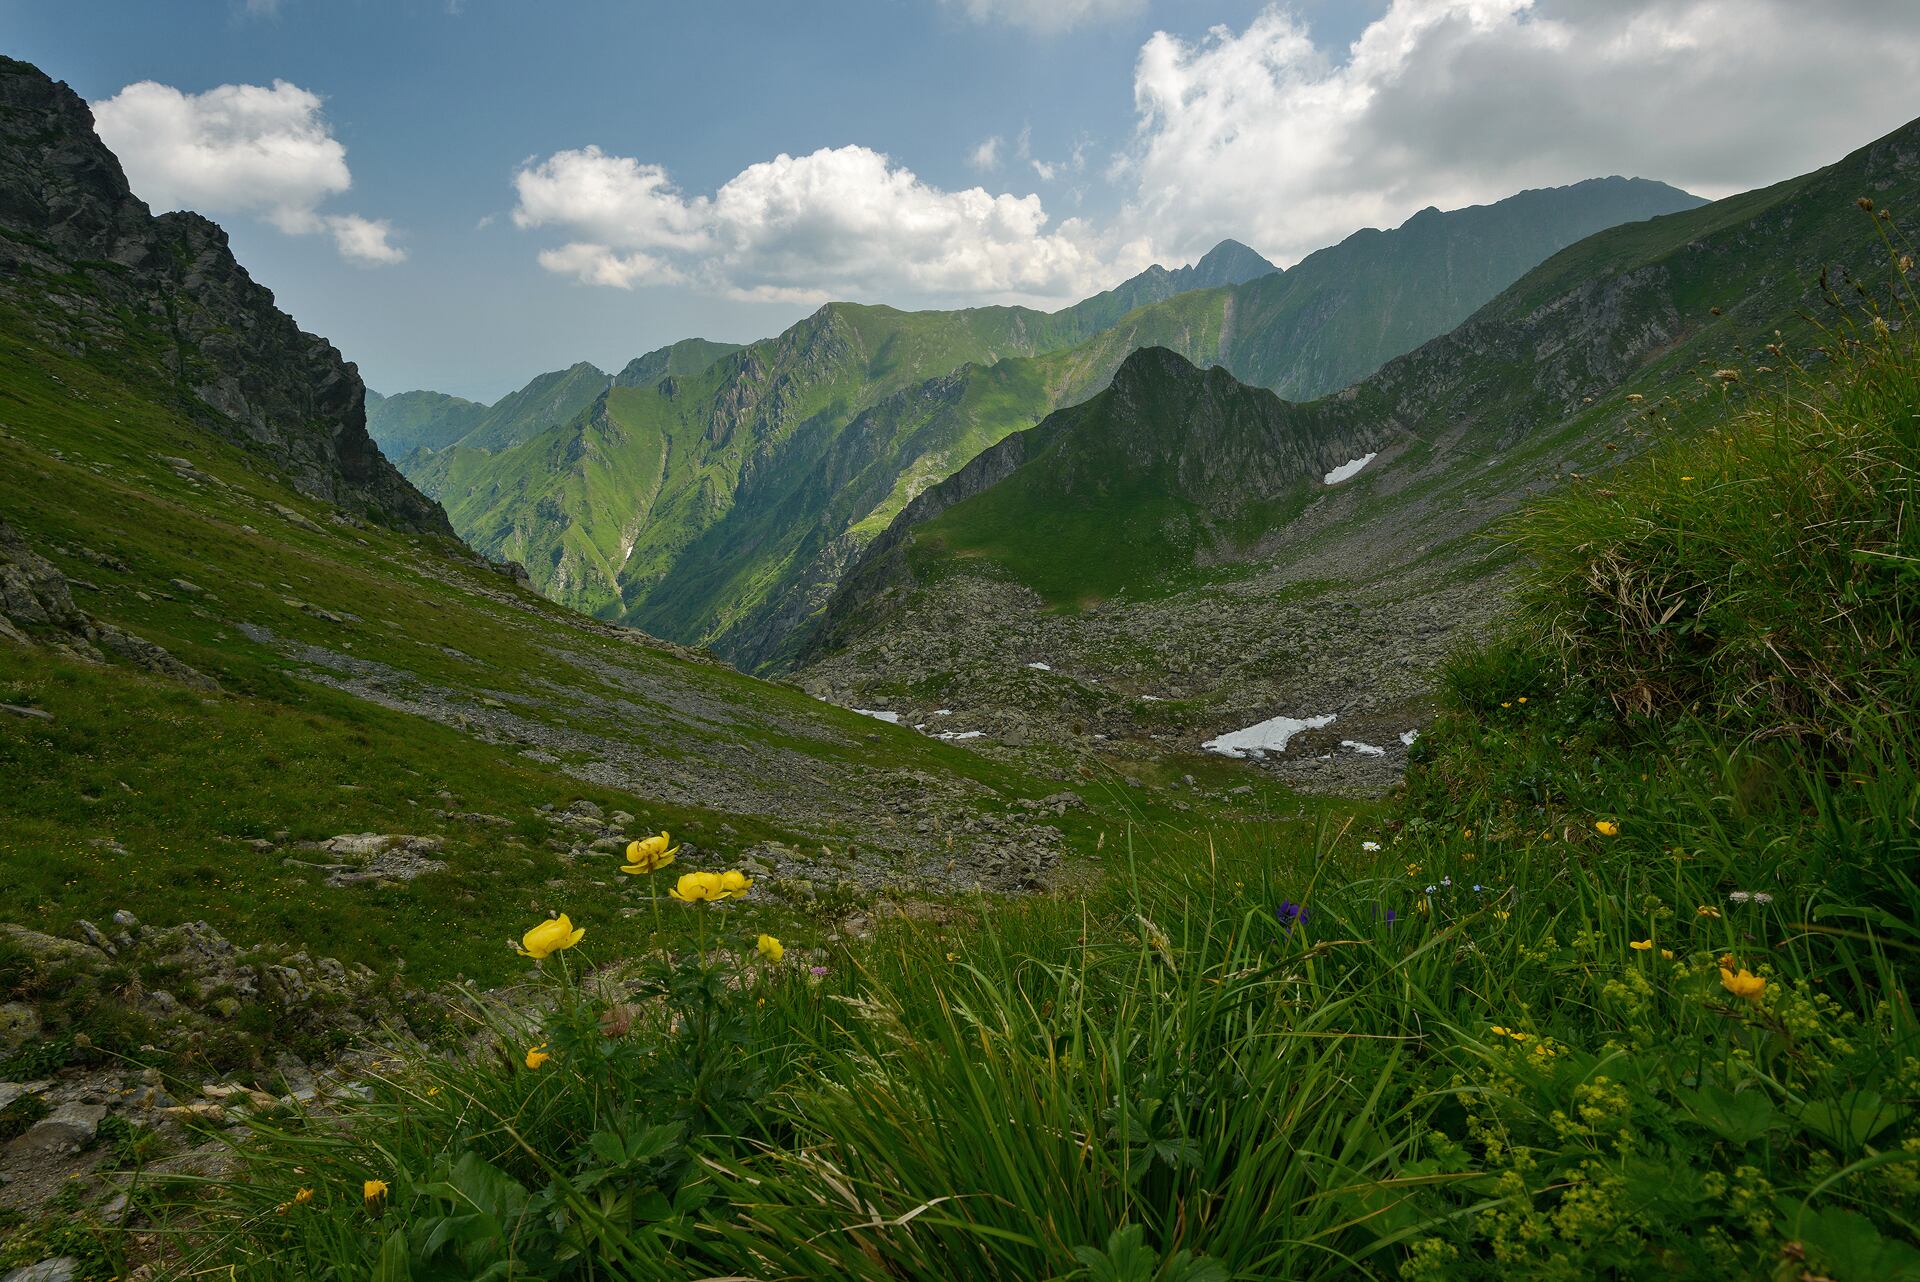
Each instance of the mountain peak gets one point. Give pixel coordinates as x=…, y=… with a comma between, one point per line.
x=1228, y=263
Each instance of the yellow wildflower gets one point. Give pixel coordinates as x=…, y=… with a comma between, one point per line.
x=304, y=1196
x=1498, y=1031
x=734, y=884
x=1706, y=910
x=374, y=1191
x=1686, y=478
x=554, y=935
x=537, y=1055
x=1606, y=827
x=1501, y=914
x=695, y=886
x=432, y=1091
x=1667, y=953
x=1742, y=983
x=1521, y=699
x=650, y=855
x=953, y=957
x=1413, y=870
x=771, y=948
x=1640, y=945
x=1505, y=704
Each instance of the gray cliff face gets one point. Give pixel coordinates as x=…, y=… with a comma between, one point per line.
x=82, y=259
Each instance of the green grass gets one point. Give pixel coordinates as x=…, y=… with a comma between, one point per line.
x=1499, y=1044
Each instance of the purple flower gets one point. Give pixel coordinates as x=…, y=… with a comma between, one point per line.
x=816, y=970
x=1290, y=914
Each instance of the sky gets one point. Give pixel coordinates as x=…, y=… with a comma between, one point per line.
x=464, y=193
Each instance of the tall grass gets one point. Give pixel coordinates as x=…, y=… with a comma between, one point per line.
x=1620, y=986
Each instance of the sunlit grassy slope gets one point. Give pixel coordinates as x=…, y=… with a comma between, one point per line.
x=1620, y=987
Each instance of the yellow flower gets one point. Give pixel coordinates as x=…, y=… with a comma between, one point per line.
x=1413, y=870
x=1686, y=478
x=734, y=884
x=1501, y=914
x=650, y=855
x=1519, y=1037
x=1521, y=699
x=1667, y=953
x=770, y=948
x=554, y=935
x=1506, y=705
x=953, y=956
x=1498, y=1031
x=1706, y=910
x=1606, y=827
x=1742, y=983
x=304, y=1196
x=374, y=1191
x=537, y=1055
x=432, y=1091
x=695, y=886
x=1640, y=945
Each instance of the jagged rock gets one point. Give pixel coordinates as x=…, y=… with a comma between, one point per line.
x=255, y=377
x=61, y=1268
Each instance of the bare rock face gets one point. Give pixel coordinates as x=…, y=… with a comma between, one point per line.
x=36, y=606
x=83, y=261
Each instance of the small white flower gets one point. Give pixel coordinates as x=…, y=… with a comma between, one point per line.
x=1369, y=845
x=1431, y=889
x=1739, y=897
x=1446, y=881
x=1762, y=897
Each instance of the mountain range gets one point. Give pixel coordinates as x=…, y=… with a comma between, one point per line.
x=719, y=507
x=1183, y=554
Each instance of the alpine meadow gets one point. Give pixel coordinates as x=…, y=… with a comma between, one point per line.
x=1126, y=641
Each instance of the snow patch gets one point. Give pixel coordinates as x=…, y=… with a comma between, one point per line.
x=1271, y=735
x=891, y=718
x=953, y=735
x=1364, y=749
x=1041, y=667
x=943, y=712
x=1409, y=737
x=1347, y=471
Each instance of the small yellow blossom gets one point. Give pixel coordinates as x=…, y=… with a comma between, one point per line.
x=650, y=855
x=537, y=1055
x=1413, y=870
x=374, y=1191
x=304, y=1196
x=1667, y=953
x=1505, y=704
x=556, y=934
x=1498, y=1031
x=1686, y=478
x=1501, y=914
x=953, y=956
x=1640, y=945
x=1521, y=699
x=734, y=884
x=1706, y=910
x=432, y=1091
x=695, y=886
x=1742, y=983
x=1606, y=828
x=771, y=948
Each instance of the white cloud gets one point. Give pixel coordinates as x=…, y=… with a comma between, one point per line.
x=839, y=223
x=1265, y=136
x=986, y=157
x=1047, y=15
x=240, y=149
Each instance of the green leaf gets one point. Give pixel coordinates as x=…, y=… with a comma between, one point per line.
x=1846, y=1245
x=1739, y=1117
x=1851, y=1121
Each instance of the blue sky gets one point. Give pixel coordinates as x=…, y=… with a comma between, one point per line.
x=1127, y=131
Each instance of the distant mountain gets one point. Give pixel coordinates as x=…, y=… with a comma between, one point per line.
x=410, y=421
x=162, y=300
x=723, y=510
x=1183, y=536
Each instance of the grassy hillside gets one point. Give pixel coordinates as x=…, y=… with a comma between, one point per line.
x=410, y=421
x=1348, y=590
x=787, y=460
x=1620, y=985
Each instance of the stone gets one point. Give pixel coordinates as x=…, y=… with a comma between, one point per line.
x=61, y=1268
x=19, y=1023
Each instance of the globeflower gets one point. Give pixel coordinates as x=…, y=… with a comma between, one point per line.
x=770, y=948
x=554, y=935
x=649, y=855
x=1606, y=828
x=537, y=1055
x=1742, y=983
x=1706, y=910
x=1640, y=945
x=734, y=884
x=695, y=886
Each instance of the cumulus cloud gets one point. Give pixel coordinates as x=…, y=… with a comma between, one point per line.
x=1263, y=135
x=1047, y=16
x=839, y=223
x=264, y=151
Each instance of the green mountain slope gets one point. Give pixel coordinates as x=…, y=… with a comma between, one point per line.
x=209, y=668
x=409, y=421
x=1139, y=550
x=738, y=524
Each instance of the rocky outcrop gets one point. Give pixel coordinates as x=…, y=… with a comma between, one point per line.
x=36, y=607
x=84, y=263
